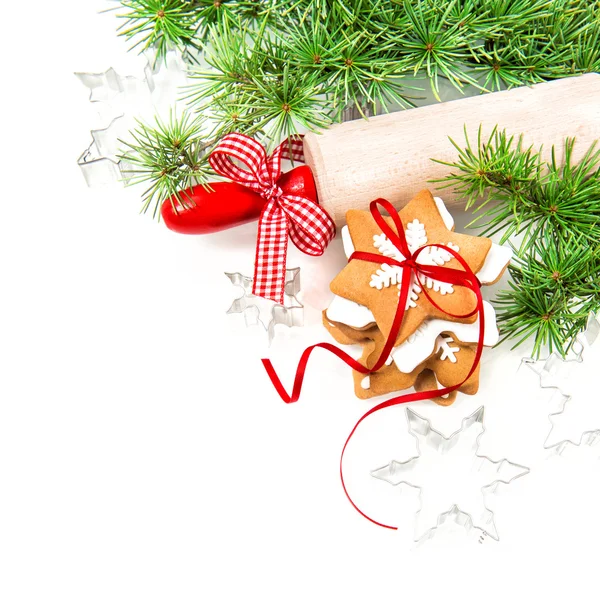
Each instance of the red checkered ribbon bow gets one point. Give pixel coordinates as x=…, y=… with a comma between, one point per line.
x=307, y=224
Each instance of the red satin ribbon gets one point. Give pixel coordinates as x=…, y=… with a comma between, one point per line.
x=465, y=278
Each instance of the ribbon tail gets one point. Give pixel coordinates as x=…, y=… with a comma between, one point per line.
x=268, y=365
x=398, y=318
x=271, y=253
x=301, y=370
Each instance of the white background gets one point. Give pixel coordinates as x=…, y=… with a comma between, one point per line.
x=143, y=452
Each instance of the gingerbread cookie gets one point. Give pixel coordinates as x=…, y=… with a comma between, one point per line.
x=377, y=288
x=366, y=293
x=450, y=363
x=422, y=342
x=426, y=382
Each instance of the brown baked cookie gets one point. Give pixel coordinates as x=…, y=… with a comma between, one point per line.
x=388, y=378
x=426, y=381
x=376, y=286
x=449, y=364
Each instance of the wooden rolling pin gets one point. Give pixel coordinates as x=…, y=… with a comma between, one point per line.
x=390, y=156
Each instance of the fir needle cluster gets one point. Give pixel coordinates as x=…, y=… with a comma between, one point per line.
x=168, y=157
x=370, y=52
x=553, y=208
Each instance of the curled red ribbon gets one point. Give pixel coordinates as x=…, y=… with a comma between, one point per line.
x=465, y=278
x=307, y=224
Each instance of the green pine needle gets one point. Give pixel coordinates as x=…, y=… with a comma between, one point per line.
x=361, y=54
x=160, y=24
x=169, y=157
x=555, y=208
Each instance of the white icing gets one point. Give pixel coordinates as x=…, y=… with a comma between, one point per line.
x=385, y=277
x=419, y=346
x=495, y=262
x=389, y=275
x=350, y=313
x=446, y=216
x=443, y=343
x=347, y=241
x=415, y=233
x=365, y=384
x=418, y=332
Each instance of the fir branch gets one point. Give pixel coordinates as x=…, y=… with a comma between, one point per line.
x=586, y=52
x=359, y=53
x=511, y=14
x=435, y=48
x=525, y=195
x=160, y=24
x=252, y=84
x=555, y=207
x=240, y=14
x=229, y=59
x=285, y=107
x=349, y=56
x=169, y=157
x=550, y=295
x=497, y=169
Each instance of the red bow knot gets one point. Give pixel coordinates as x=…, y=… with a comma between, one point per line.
x=408, y=263
x=274, y=193
x=305, y=222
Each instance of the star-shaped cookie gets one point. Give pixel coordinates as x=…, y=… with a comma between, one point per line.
x=375, y=287
x=448, y=365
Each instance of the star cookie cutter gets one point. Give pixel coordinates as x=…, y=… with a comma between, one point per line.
x=117, y=97
x=550, y=370
x=99, y=162
x=434, y=447
x=259, y=311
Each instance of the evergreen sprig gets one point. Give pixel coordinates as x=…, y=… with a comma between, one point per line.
x=361, y=56
x=250, y=87
x=161, y=25
x=169, y=157
x=554, y=206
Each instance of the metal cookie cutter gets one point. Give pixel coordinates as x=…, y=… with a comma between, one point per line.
x=118, y=97
x=98, y=162
x=452, y=478
x=563, y=375
x=257, y=310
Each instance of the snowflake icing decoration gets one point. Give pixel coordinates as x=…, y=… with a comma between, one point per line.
x=443, y=343
x=416, y=237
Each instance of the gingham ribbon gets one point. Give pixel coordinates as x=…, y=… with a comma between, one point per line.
x=307, y=224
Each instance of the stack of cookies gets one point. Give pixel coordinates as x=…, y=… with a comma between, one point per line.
x=433, y=350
